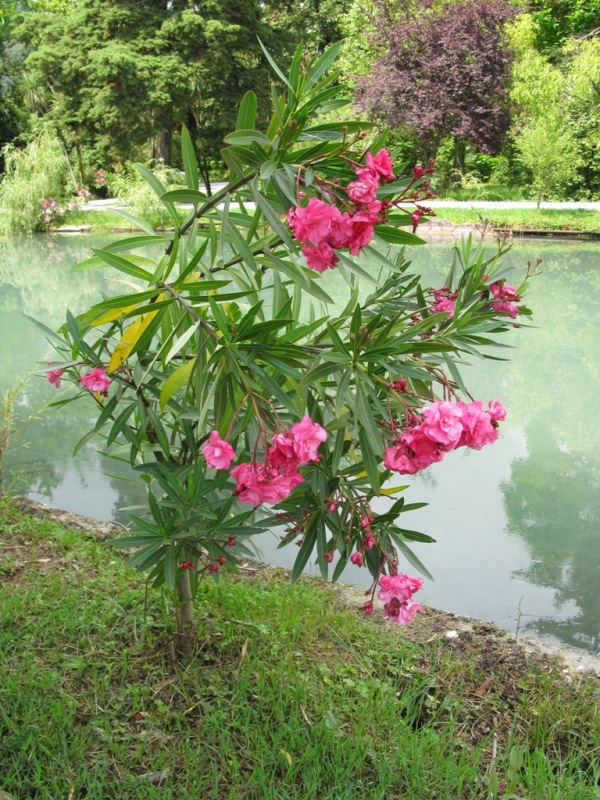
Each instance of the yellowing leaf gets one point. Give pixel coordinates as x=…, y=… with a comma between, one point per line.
x=175, y=381
x=287, y=756
x=393, y=490
x=129, y=340
x=112, y=315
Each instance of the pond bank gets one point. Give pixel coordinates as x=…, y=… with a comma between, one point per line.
x=430, y=625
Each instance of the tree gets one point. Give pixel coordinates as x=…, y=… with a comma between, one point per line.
x=445, y=73
x=548, y=149
x=556, y=125
x=224, y=352
x=558, y=20
x=123, y=73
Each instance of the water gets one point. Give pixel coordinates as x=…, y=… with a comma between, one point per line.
x=517, y=523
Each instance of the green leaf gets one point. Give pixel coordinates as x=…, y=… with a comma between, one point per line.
x=175, y=381
x=133, y=242
x=247, y=137
x=120, y=423
x=271, y=216
x=184, y=196
x=310, y=538
x=138, y=223
x=123, y=265
x=322, y=64
x=365, y=417
x=267, y=169
x=370, y=462
x=396, y=236
x=321, y=371
x=274, y=66
x=190, y=163
x=170, y=567
x=158, y=188
x=409, y=555
x=247, y=112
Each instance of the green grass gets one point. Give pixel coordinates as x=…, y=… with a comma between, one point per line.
x=526, y=218
x=289, y=696
x=109, y=221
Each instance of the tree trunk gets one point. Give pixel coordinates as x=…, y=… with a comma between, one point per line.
x=460, y=152
x=163, y=147
x=186, y=638
x=205, y=174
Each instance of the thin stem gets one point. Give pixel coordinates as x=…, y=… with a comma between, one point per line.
x=189, y=308
x=214, y=201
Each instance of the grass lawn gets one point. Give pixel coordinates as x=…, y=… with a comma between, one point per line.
x=290, y=693
x=522, y=218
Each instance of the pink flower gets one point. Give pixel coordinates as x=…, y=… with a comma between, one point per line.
x=443, y=423
x=445, y=304
x=496, y=410
x=218, y=452
x=320, y=257
x=328, y=557
x=415, y=451
x=186, y=565
x=96, y=380
x=356, y=558
x=339, y=233
x=360, y=232
x=396, y=591
x=402, y=613
x=478, y=427
x=307, y=436
x=312, y=224
x=505, y=307
x=282, y=455
x=368, y=608
x=364, y=191
x=258, y=483
x=53, y=376
x=506, y=298
x=400, y=586
x=381, y=164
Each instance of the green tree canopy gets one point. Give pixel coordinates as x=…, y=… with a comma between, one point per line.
x=121, y=73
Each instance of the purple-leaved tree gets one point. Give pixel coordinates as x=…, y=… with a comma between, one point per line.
x=445, y=72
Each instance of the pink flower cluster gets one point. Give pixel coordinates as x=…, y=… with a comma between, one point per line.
x=445, y=427
x=52, y=210
x=274, y=479
x=444, y=300
x=100, y=179
x=322, y=228
x=396, y=591
x=505, y=299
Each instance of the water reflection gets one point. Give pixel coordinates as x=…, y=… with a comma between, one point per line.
x=517, y=523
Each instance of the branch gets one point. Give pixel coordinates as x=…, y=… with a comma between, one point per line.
x=190, y=309
x=214, y=201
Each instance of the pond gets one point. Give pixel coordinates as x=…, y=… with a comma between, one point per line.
x=517, y=524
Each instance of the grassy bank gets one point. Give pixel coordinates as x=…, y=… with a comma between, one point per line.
x=109, y=221
x=525, y=219
x=290, y=695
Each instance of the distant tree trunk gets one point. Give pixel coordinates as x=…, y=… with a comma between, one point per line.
x=460, y=152
x=203, y=166
x=163, y=147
